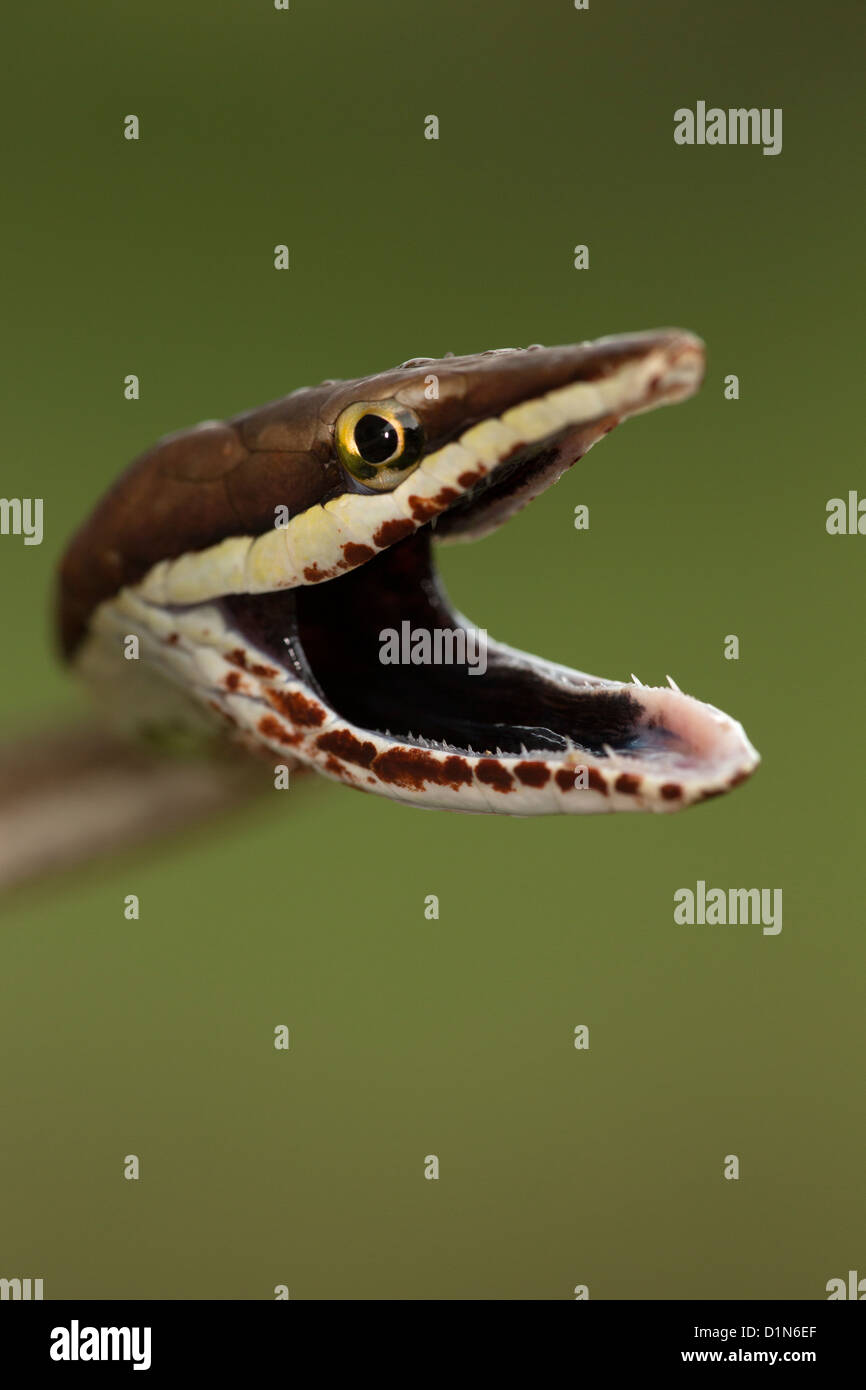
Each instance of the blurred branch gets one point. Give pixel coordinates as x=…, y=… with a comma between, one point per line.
x=76, y=793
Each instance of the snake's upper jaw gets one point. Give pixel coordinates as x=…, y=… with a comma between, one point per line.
x=522, y=452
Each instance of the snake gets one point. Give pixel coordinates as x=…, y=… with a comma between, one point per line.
x=237, y=579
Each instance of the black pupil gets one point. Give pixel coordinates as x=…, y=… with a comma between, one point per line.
x=375, y=438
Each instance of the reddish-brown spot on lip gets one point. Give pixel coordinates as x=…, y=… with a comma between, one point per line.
x=172, y=639
x=467, y=479
x=313, y=574
x=714, y=791
x=565, y=780
x=238, y=657
x=233, y=680
x=298, y=708
x=423, y=508
x=344, y=743
x=358, y=554
x=672, y=791
x=272, y=728
x=332, y=765
x=494, y=775
x=412, y=767
x=390, y=532
x=532, y=774
x=627, y=782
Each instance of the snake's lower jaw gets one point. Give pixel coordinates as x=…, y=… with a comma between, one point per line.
x=683, y=752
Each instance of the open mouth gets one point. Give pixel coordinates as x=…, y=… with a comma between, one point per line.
x=515, y=721
x=403, y=695
x=489, y=700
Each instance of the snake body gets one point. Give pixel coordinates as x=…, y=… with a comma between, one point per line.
x=257, y=562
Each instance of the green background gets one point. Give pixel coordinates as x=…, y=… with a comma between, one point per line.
x=409, y=1037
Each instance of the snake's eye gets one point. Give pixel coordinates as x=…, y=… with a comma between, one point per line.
x=379, y=442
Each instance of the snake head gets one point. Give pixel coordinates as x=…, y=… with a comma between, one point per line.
x=278, y=571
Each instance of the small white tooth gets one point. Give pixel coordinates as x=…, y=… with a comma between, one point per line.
x=673, y=685
x=608, y=750
x=635, y=680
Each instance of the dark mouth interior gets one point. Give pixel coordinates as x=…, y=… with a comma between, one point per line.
x=330, y=634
